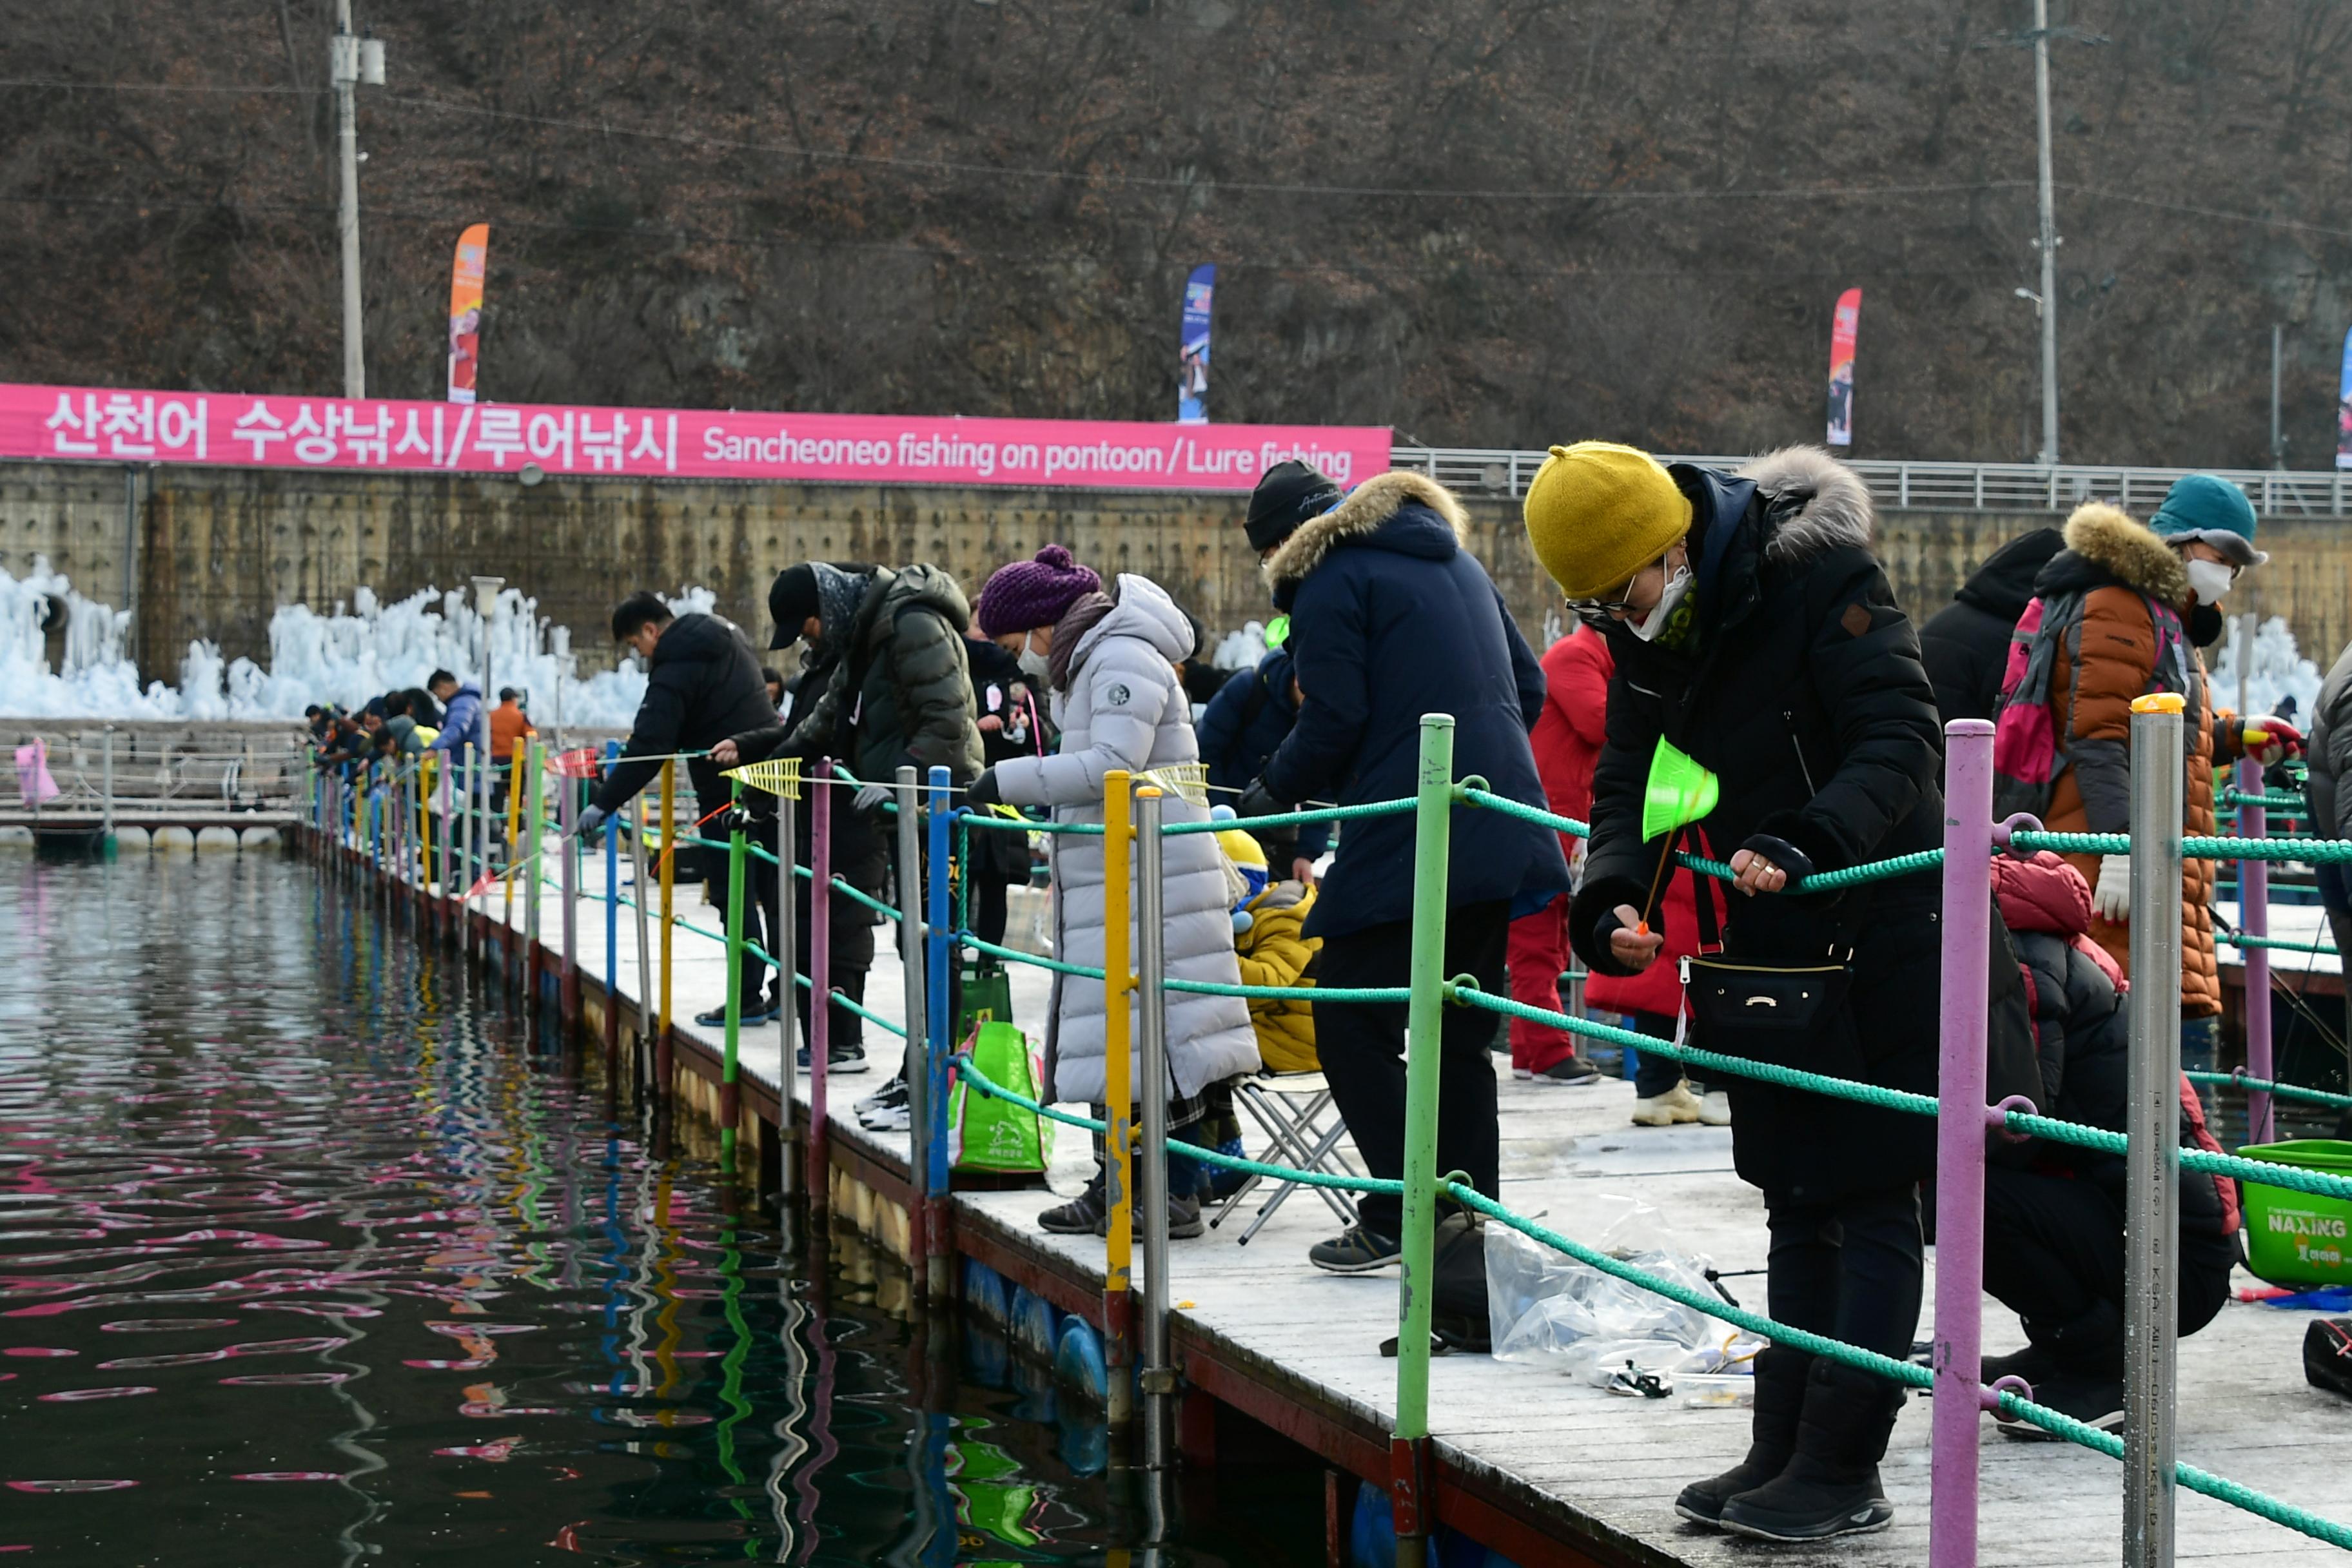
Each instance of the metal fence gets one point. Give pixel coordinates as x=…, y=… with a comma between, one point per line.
x=1942, y=487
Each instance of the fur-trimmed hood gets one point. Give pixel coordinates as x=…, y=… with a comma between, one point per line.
x=2110, y=540
x=1832, y=504
x=1366, y=508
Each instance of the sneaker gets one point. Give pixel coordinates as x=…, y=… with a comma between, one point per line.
x=1678, y=1104
x=1080, y=1216
x=1354, y=1251
x=1184, y=1220
x=899, y=1118
x=1523, y=1074
x=893, y=1093
x=1570, y=1072
x=1714, y=1110
x=839, y=1060
x=757, y=1013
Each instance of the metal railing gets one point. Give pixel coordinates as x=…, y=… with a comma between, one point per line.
x=1941, y=486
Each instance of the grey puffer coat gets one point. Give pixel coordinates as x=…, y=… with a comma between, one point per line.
x=1123, y=709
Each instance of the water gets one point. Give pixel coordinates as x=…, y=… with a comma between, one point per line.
x=313, y=1250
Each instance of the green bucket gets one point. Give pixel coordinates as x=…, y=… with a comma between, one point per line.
x=2298, y=1238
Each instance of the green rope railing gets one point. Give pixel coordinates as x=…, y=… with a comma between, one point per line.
x=2195, y=847
x=1907, y=1374
x=2231, y=796
x=1369, y=994
x=2247, y=1080
x=2282, y=943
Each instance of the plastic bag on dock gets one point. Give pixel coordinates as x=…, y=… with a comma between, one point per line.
x=1546, y=1309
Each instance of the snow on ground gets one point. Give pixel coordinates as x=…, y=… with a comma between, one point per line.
x=344, y=656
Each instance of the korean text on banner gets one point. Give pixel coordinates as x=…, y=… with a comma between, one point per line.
x=1849, y=313
x=1192, y=370
x=466, y=311
x=371, y=434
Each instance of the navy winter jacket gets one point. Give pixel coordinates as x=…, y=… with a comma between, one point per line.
x=1391, y=618
x=1244, y=724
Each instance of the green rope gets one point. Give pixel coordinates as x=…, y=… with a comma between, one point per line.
x=2263, y=1084
x=2316, y=850
x=2280, y=942
x=808, y=874
x=1294, y=818
x=1819, y=882
x=1030, y=824
x=1370, y=994
x=2272, y=800
x=749, y=847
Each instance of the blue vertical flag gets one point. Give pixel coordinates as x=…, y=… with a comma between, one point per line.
x=1192, y=373
x=2343, y=409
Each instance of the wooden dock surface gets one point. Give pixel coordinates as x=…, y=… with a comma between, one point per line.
x=1595, y=1472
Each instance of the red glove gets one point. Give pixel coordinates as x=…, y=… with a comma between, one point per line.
x=2269, y=739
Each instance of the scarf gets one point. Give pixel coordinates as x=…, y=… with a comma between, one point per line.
x=1070, y=630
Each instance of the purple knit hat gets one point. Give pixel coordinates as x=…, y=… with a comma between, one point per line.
x=1030, y=594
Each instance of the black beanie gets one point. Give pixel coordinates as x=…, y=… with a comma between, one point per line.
x=1287, y=496
x=792, y=600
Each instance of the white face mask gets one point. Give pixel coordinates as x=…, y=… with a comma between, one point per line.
x=1034, y=664
x=1677, y=589
x=2209, y=580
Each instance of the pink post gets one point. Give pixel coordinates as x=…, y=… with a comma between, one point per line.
x=820, y=1029
x=2254, y=919
x=1960, y=1143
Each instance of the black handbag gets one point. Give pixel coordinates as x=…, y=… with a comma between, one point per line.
x=1788, y=1011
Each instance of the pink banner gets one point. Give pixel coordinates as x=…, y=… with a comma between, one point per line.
x=237, y=431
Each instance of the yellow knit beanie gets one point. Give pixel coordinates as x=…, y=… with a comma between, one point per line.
x=1598, y=512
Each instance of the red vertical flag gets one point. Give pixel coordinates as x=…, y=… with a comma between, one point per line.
x=1849, y=312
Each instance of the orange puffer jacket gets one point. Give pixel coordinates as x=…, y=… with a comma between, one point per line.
x=2118, y=565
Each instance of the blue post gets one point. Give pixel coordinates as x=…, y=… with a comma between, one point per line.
x=939, y=953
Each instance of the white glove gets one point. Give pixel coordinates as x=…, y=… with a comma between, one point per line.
x=871, y=796
x=2112, y=897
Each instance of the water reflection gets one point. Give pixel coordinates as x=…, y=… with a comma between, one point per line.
x=313, y=1247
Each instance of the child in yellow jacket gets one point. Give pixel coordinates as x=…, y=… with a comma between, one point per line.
x=1267, y=941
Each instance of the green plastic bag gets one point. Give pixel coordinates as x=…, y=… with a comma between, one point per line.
x=983, y=995
x=985, y=1133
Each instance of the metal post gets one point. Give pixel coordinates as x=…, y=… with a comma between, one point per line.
x=2151, y=1191
x=1411, y=1500
x=669, y=921
x=347, y=213
x=109, y=777
x=912, y=967
x=1118, y=1099
x=940, y=1020
x=2278, y=437
x=470, y=826
x=2254, y=920
x=637, y=872
x=787, y=939
x=820, y=1190
x=2049, y=240
x=612, y=943
x=729, y=1094
x=567, y=812
x=1152, y=1038
x=1960, y=1143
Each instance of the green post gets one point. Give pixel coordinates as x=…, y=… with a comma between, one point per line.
x=534, y=814
x=1414, y=1503
x=728, y=1092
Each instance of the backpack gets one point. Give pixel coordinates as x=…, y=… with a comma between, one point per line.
x=2027, y=753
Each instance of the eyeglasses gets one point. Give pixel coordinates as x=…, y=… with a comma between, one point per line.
x=1596, y=611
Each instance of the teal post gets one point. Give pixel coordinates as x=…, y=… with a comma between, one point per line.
x=1409, y=1481
x=729, y=1094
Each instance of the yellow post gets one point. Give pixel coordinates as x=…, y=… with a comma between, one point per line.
x=1119, y=1097
x=514, y=818
x=429, y=863
x=661, y=1027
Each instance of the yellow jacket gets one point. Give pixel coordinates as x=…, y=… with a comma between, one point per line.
x=1272, y=952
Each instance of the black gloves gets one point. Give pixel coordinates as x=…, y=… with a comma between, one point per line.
x=1257, y=802
x=983, y=792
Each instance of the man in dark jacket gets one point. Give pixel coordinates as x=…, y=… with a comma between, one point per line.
x=702, y=684
x=1753, y=628
x=1965, y=645
x=1392, y=618
x=1249, y=717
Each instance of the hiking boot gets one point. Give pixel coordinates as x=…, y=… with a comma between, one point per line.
x=1773, y=1436
x=839, y=1060
x=1568, y=1073
x=2076, y=1368
x=1678, y=1104
x=1082, y=1216
x=1354, y=1251
x=1830, y=1486
x=1184, y=1220
x=1714, y=1109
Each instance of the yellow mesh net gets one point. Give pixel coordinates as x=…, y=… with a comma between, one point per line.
x=779, y=776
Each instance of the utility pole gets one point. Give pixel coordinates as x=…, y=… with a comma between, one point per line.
x=2048, y=242
x=351, y=61
x=2278, y=437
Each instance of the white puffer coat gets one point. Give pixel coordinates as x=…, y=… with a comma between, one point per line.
x=1125, y=710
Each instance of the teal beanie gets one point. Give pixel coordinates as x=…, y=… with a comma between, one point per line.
x=2209, y=508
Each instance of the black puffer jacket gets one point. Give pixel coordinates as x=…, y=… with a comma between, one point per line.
x=901, y=692
x=703, y=684
x=1965, y=645
x=1802, y=692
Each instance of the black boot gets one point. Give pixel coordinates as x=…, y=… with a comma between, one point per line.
x=1779, y=1400
x=1830, y=1486
x=2083, y=1376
